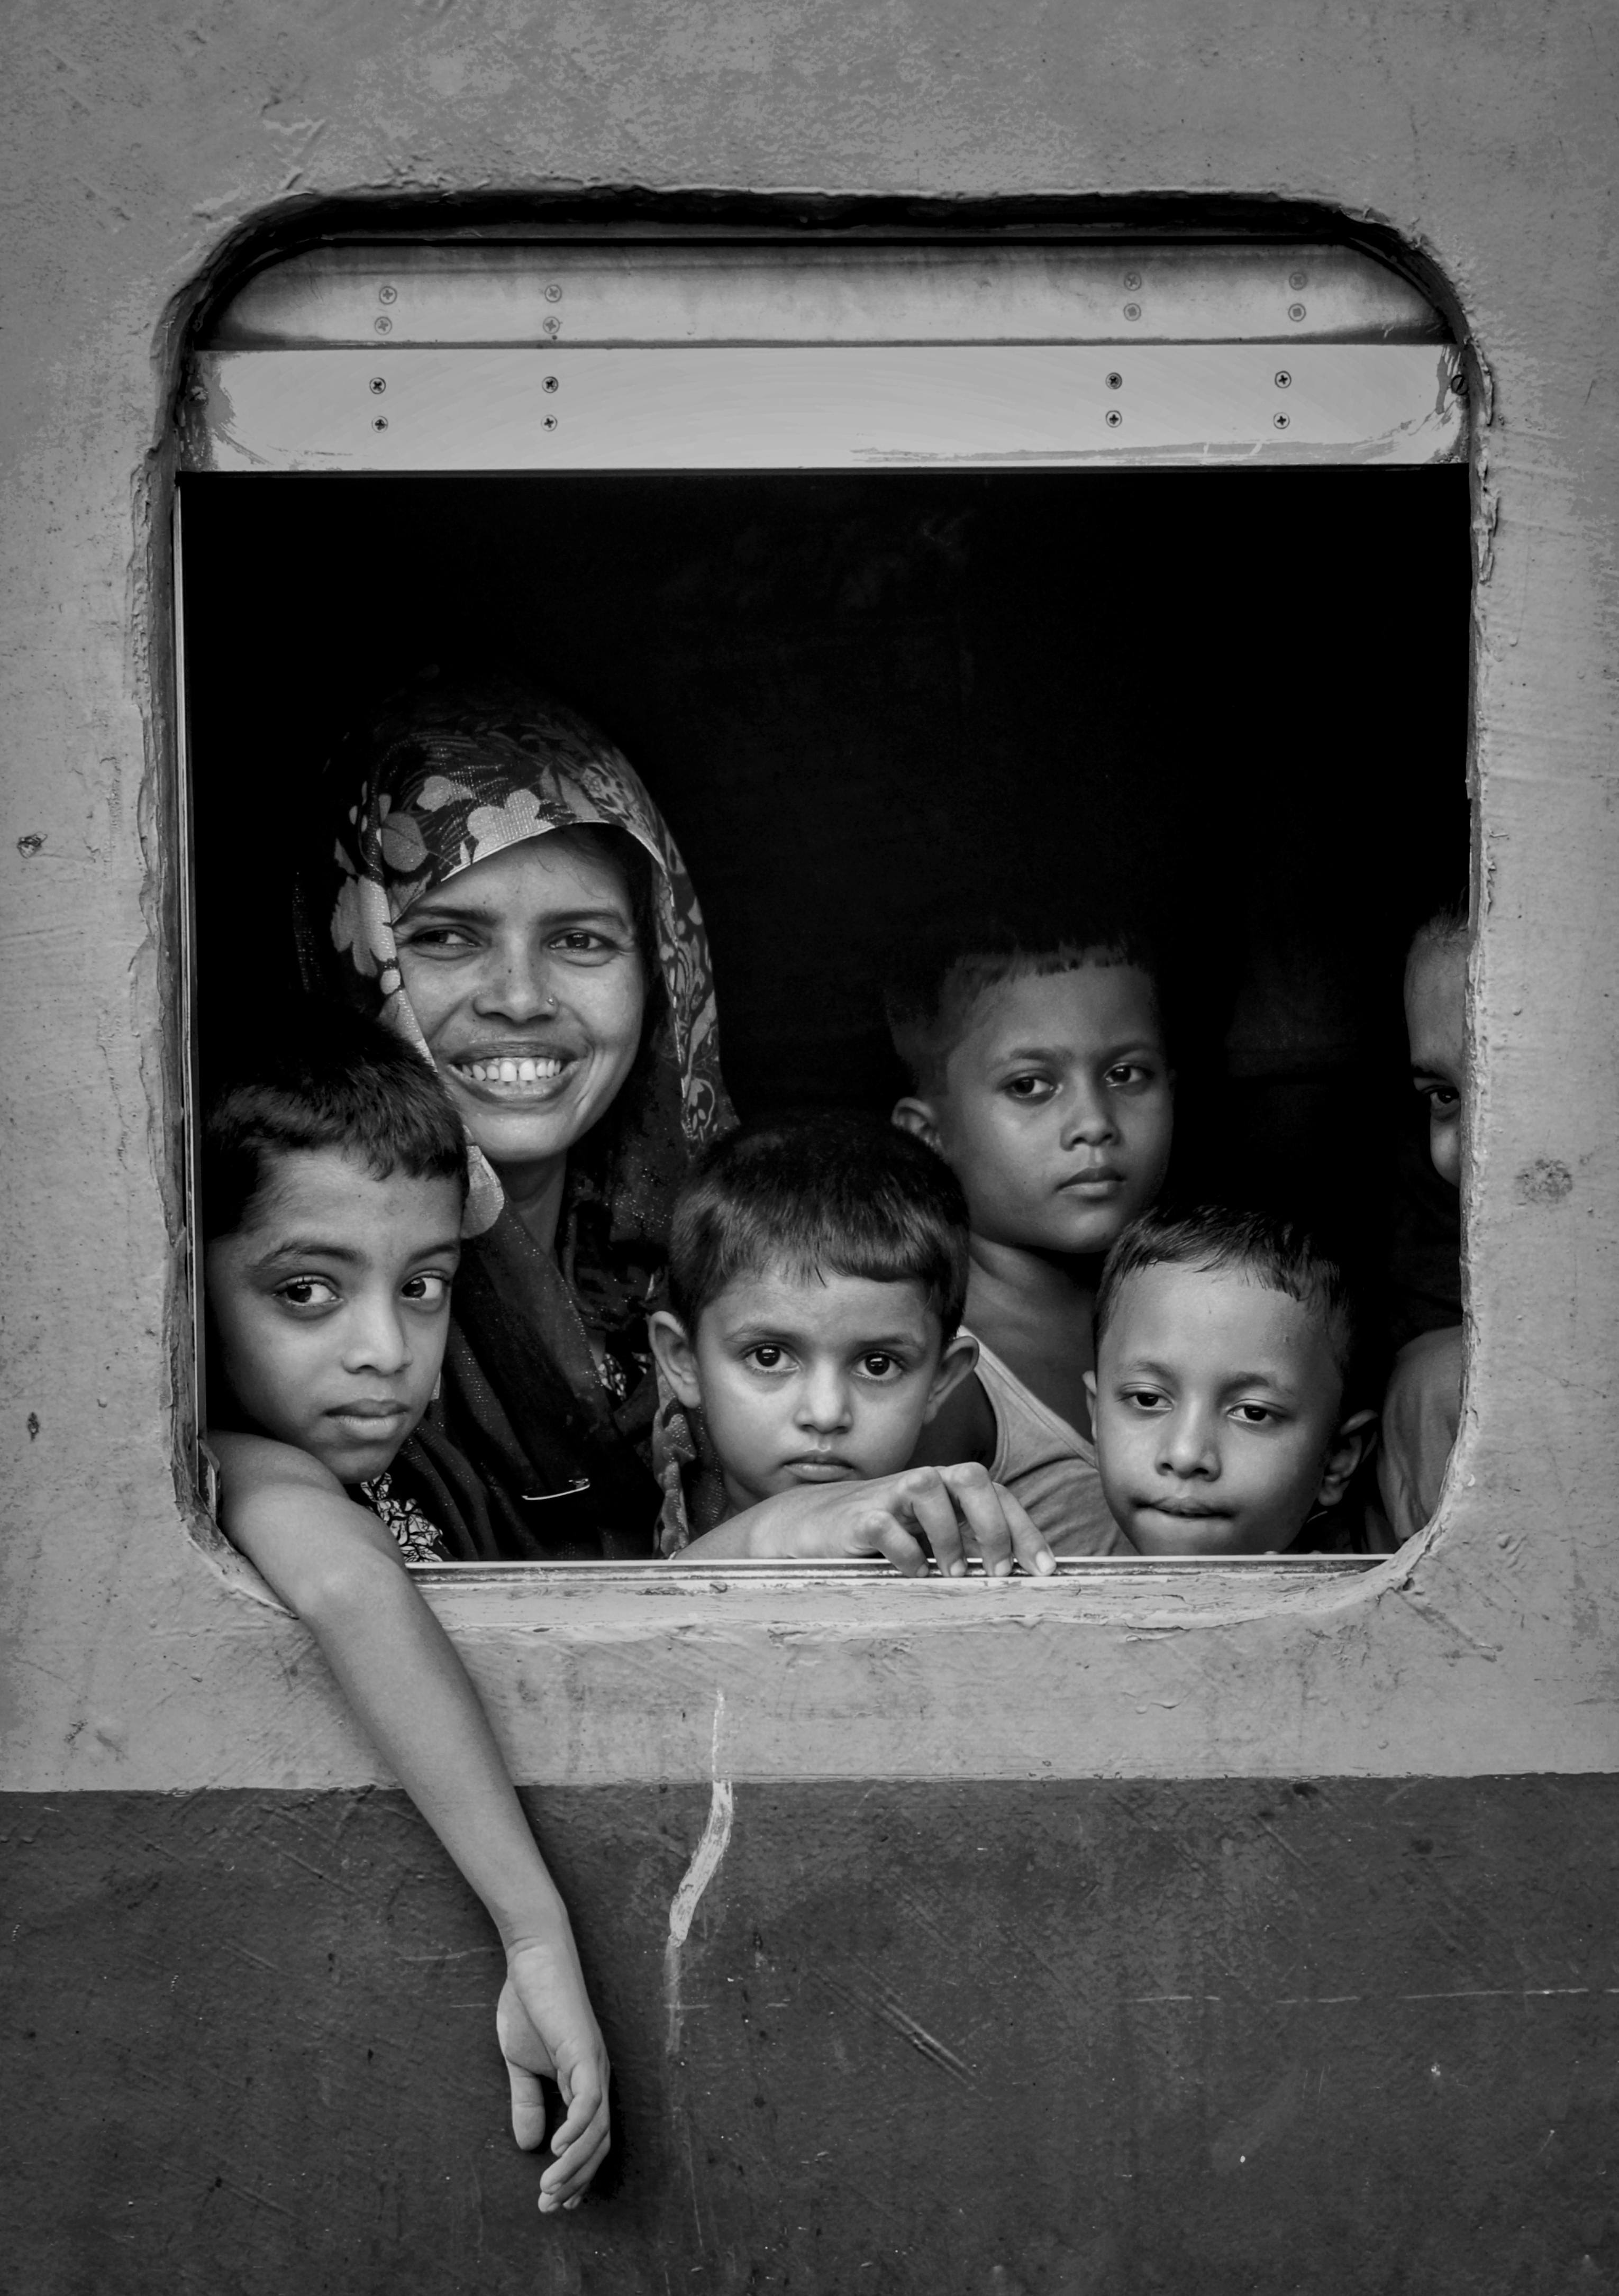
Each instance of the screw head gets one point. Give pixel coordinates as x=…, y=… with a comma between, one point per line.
x=1281, y=421
x=549, y=383
x=378, y=385
x=1283, y=381
x=1132, y=280
x=1297, y=279
x=1132, y=310
x=550, y=422
x=1296, y=311
x=380, y=424
x=383, y=326
x=1115, y=381
x=552, y=326
x=388, y=294
x=1112, y=418
x=553, y=294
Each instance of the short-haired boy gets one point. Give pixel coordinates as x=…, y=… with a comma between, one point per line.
x=333, y=1183
x=1422, y=1408
x=1222, y=1389
x=1040, y=1073
x=817, y=1269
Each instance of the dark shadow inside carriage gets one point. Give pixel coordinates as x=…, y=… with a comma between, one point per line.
x=863, y=702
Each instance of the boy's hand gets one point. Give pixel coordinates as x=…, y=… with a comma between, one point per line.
x=546, y=2029
x=955, y=1511
x=337, y=1566
x=983, y=1518
x=959, y=1512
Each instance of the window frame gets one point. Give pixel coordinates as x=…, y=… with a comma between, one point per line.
x=1147, y=1593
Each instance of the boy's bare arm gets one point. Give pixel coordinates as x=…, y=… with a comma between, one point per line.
x=957, y=1510
x=336, y=1566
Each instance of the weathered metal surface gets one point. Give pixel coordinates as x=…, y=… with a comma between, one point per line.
x=476, y=356
x=141, y=165
x=1232, y=2039
x=971, y=405
x=1304, y=2139
x=671, y=291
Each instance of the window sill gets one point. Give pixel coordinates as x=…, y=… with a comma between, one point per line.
x=545, y=1597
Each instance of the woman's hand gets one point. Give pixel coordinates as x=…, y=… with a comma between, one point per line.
x=546, y=2031
x=954, y=1511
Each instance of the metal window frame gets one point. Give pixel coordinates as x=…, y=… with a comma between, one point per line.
x=1147, y=340
x=626, y=355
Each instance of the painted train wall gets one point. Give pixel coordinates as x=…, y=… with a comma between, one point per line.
x=1212, y=1932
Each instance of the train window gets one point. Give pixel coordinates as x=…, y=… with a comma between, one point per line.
x=908, y=574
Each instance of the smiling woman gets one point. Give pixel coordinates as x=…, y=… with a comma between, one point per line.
x=509, y=900
x=525, y=976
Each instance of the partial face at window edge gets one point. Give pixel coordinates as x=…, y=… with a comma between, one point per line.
x=1436, y=1023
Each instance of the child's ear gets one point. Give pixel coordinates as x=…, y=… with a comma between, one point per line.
x=960, y=1356
x=1089, y=1379
x=920, y=1117
x=676, y=1360
x=1351, y=1444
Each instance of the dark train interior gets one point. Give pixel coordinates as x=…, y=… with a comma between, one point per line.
x=1239, y=697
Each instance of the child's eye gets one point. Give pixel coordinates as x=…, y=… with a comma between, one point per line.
x=307, y=1291
x=1124, y=1074
x=426, y=1291
x=1255, y=1415
x=1443, y=1099
x=879, y=1366
x=766, y=1356
x=1145, y=1399
x=1030, y=1090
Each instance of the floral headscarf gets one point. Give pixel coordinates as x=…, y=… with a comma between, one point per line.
x=451, y=778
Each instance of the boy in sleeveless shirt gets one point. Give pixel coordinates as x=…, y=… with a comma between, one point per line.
x=1040, y=1073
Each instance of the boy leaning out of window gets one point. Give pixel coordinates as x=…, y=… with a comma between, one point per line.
x=334, y=1180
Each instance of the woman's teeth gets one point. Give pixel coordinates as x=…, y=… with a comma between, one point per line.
x=522, y=1071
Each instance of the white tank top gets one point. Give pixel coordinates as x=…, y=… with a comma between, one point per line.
x=1047, y=1463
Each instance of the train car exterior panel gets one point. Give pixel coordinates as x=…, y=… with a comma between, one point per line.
x=1245, y=2037
x=1265, y=1946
